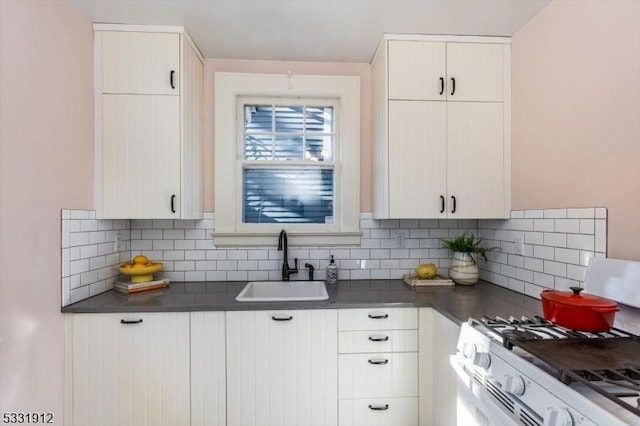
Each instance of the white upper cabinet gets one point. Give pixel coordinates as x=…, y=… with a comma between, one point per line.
x=441, y=128
x=141, y=63
x=148, y=123
x=437, y=71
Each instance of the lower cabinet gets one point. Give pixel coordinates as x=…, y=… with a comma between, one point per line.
x=208, y=369
x=444, y=378
x=347, y=367
x=282, y=368
x=129, y=369
x=378, y=367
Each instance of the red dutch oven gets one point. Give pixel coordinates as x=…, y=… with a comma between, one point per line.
x=582, y=312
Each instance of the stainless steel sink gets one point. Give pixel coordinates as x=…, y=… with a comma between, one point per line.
x=283, y=291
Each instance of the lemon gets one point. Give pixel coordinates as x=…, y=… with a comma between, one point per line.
x=127, y=265
x=140, y=260
x=138, y=266
x=426, y=270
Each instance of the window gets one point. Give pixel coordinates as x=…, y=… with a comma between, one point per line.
x=288, y=168
x=286, y=157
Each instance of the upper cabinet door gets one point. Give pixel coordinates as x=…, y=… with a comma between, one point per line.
x=417, y=70
x=140, y=63
x=475, y=72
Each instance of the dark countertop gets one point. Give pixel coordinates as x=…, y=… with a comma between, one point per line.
x=458, y=303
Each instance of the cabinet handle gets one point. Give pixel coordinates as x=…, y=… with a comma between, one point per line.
x=441, y=85
x=379, y=407
x=173, y=203
x=453, y=85
x=378, y=316
x=281, y=318
x=171, y=74
x=378, y=361
x=378, y=338
x=442, y=204
x=453, y=198
x=124, y=321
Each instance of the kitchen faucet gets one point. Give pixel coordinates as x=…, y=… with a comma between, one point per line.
x=284, y=247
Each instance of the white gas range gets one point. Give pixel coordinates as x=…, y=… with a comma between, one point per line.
x=531, y=372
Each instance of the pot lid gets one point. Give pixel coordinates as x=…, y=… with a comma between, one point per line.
x=574, y=298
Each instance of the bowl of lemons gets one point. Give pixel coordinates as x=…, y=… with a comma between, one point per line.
x=140, y=269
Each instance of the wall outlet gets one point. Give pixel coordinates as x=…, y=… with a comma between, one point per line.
x=400, y=240
x=518, y=245
x=118, y=243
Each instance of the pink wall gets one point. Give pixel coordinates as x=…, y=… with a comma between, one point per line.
x=280, y=67
x=576, y=114
x=46, y=156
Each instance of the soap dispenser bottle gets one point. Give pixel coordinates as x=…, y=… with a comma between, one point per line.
x=332, y=272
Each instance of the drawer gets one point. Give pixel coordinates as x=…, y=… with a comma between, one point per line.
x=378, y=412
x=378, y=375
x=377, y=319
x=350, y=342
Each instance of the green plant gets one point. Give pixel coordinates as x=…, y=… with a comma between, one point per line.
x=467, y=244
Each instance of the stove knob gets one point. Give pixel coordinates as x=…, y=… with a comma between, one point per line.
x=469, y=350
x=482, y=360
x=557, y=417
x=513, y=385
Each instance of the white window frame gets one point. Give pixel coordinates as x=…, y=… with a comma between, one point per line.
x=229, y=229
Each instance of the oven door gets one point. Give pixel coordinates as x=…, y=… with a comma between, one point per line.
x=474, y=405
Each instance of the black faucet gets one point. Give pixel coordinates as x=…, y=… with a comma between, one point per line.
x=284, y=247
x=311, y=269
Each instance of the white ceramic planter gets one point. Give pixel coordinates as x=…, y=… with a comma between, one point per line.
x=464, y=269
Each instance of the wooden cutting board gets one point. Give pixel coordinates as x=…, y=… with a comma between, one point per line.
x=437, y=281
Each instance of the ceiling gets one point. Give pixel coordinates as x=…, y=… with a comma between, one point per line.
x=314, y=30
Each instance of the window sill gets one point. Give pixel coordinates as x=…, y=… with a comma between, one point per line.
x=245, y=239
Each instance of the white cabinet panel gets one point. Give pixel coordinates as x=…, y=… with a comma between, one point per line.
x=379, y=412
x=208, y=374
x=130, y=374
x=475, y=159
x=378, y=375
x=415, y=82
x=282, y=368
x=377, y=341
x=444, y=377
x=140, y=156
x=140, y=62
x=478, y=70
x=417, y=166
x=377, y=319
x=417, y=70
x=148, y=124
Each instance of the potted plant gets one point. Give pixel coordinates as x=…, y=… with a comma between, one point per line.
x=464, y=267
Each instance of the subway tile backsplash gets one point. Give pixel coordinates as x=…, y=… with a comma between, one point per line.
x=556, y=246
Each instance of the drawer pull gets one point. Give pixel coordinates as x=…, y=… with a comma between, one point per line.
x=124, y=321
x=378, y=361
x=378, y=338
x=281, y=318
x=378, y=316
x=379, y=407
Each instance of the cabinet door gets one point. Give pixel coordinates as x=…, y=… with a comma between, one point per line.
x=140, y=156
x=282, y=368
x=417, y=159
x=446, y=334
x=130, y=374
x=478, y=70
x=417, y=70
x=208, y=383
x=140, y=63
x=475, y=160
